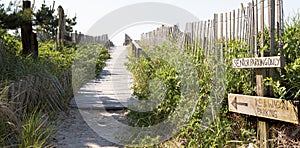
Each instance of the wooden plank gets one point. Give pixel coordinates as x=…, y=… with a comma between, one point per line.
x=279, y=33
x=226, y=29
x=233, y=25
x=192, y=37
x=262, y=26
x=242, y=22
x=215, y=27
x=258, y=62
x=230, y=27
x=195, y=37
x=272, y=39
x=272, y=26
x=200, y=34
x=238, y=25
x=221, y=27
x=251, y=28
x=204, y=37
x=221, y=36
x=208, y=47
x=256, y=28
x=271, y=108
x=262, y=130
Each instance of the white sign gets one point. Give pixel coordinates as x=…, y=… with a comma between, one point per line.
x=262, y=62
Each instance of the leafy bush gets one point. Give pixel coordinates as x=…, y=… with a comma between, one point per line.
x=219, y=131
x=33, y=85
x=89, y=60
x=227, y=128
x=144, y=72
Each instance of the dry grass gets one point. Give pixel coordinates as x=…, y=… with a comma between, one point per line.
x=9, y=125
x=42, y=91
x=287, y=135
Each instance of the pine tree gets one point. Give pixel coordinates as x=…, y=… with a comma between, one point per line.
x=46, y=21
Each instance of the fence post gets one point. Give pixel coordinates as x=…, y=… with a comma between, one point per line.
x=233, y=25
x=221, y=37
x=262, y=126
x=204, y=37
x=215, y=27
x=256, y=28
x=279, y=32
x=238, y=25
x=26, y=29
x=230, y=27
x=34, y=45
x=61, y=26
x=272, y=38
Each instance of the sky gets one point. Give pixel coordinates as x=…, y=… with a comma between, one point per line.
x=88, y=12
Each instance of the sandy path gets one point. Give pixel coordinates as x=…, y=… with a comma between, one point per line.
x=81, y=127
x=74, y=132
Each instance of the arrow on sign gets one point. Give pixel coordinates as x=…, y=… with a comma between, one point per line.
x=235, y=103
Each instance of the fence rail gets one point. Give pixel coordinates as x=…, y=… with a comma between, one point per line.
x=242, y=25
x=247, y=25
x=78, y=38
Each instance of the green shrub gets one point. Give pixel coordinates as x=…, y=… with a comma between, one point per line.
x=34, y=87
x=217, y=132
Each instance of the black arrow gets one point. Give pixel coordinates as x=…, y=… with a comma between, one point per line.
x=235, y=103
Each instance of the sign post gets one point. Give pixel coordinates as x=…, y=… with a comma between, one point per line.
x=262, y=107
x=259, y=106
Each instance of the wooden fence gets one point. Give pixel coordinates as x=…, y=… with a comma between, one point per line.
x=63, y=36
x=136, y=49
x=243, y=25
x=160, y=35
x=79, y=38
x=248, y=25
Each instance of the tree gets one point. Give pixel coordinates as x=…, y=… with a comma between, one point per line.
x=11, y=19
x=71, y=22
x=46, y=21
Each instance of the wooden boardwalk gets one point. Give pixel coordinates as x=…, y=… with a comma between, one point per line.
x=89, y=123
x=111, y=91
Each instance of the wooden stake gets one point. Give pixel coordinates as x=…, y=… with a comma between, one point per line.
x=262, y=26
x=226, y=28
x=26, y=29
x=221, y=37
x=230, y=27
x=215, y=27
x=238, y=25
x=233, y=25
x=256, y=28
x=279, y=32
x=272, y=39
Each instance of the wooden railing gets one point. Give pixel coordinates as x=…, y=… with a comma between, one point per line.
x=63, y=36
x=136, y=49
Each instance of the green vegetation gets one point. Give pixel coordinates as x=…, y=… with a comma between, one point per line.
x=31, y=89
x=228, y=129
